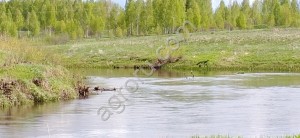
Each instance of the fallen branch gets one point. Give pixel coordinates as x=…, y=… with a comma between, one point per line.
x=97, y=88
x=83, y=91
x=203, y=63
x=158, y=63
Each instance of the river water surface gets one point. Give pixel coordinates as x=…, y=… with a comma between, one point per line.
x=169, y=104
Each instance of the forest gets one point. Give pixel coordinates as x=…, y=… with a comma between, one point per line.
x=104, y=18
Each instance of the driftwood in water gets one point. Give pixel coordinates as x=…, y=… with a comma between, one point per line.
x=83, y=91
x=103, y=89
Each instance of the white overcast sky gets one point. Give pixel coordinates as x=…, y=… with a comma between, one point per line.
x=215, y=3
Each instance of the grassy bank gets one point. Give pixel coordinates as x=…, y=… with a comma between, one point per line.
x=31, y=72
x=29, y=75
x=276, y=49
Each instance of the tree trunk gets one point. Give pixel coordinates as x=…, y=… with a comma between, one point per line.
x=87, y=33
x=131, y=26
x=50, y=31
x=137, y=26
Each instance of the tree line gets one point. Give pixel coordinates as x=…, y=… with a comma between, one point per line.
x=98, y=18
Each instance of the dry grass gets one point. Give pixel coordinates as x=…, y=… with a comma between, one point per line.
x=30, y=75
x=26, y=51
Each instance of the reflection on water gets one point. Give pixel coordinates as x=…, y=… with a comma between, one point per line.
x=168, y=104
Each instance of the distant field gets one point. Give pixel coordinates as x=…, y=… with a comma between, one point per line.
x=276, y=49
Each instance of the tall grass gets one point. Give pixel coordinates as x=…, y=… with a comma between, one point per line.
x=30, y=74
x=27, y=51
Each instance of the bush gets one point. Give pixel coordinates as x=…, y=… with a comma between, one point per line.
x=119, y=32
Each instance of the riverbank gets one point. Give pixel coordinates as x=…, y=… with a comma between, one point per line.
x=34, y=71
x=29, y=75
x=247, y=50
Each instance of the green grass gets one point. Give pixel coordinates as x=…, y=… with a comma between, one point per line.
x=56, y=84
x=226, y=50
x=22, y=64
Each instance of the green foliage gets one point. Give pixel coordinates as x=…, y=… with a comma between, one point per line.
x=220, y=15
x=101, y=18
x=97, y=25
x=147, y=18
x=60, y=27
x=256, y=13
x=277, y=13
x=206, y=13
x=4, y=25
x=119, y=32
x=241, y=21
x=193, y=13
x=130, y=15
x=19, y=19
x=235, y=12
x=34, y=24
x=50, y=17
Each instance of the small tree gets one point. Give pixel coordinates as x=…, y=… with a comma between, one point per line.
x=97, y=25
x=4, y=23
x=34, y=25
x=193, y=13
x=220, y=15
x=51, y=18
x=119, y=32
x=60, y=27
x=19, y=20
x=241, y=21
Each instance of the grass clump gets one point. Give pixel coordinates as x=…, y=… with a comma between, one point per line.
x=29, y=75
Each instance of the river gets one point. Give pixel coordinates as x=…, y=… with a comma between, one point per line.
x=168, y=104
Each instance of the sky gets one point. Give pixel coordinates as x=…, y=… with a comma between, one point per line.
x=215, y=3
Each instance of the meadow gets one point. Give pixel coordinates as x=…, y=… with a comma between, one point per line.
x=246, y=50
